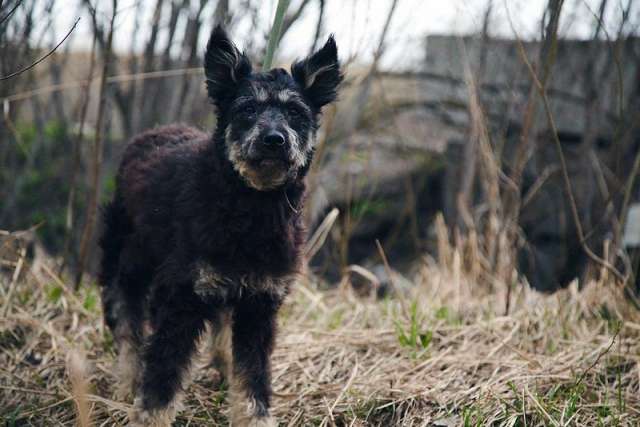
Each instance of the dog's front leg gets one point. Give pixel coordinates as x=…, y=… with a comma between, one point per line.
x=178, y=324
x=253, y=333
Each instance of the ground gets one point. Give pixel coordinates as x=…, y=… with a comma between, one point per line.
x=440, y=352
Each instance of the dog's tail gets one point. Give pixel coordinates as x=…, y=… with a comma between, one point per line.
x=116, y=227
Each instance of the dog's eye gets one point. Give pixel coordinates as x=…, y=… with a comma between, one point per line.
x=249, y=110
x=293, y=112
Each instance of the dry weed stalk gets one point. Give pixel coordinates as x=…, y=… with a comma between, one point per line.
x=78, y=371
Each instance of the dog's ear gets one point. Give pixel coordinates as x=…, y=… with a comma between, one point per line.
x=319, y=74
x=224, y=66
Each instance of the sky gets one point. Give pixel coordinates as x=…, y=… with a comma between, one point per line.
x=357, y=24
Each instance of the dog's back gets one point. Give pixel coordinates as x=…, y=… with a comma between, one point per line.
x=150, y=154
x=152, y=160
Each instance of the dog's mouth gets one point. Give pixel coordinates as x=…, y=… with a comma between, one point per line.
x=264, y=173
x=270, y=163
x=261, y=169
x=267, y=162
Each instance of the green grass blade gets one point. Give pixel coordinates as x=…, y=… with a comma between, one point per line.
x=276, y=32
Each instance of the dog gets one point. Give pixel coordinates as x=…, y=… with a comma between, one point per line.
x=204, y=233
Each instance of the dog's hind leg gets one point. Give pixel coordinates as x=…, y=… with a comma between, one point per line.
x=221, y=353
x=127, y=334
x=124, y=313
x=122, y=293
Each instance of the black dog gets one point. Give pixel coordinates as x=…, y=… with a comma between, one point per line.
x=207, y=231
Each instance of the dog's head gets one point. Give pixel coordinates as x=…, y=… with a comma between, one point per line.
x=269, y=118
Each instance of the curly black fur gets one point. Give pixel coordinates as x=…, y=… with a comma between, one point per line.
x=204, y=225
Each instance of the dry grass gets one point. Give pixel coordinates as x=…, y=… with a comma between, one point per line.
x=443, y=354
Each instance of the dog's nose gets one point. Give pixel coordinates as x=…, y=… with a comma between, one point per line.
x=273, y=139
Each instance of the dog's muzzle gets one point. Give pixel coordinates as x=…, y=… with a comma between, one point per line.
x=270, y=150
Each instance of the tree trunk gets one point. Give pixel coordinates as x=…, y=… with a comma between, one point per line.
x=86, y=242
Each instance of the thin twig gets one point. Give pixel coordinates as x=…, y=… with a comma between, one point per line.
x=121, y=78
x=346, y=386
x=595, y=362
x=4, y=18
x=43, y=57
x=565, y=173
x=395, y=286
x=14, y=280
x=542, y=410
x=537, y=185
x=620, y=98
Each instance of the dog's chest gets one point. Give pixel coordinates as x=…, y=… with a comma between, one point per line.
x=210, y=283
x=250, y=240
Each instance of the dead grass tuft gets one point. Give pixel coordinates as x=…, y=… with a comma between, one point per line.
x=451, y=358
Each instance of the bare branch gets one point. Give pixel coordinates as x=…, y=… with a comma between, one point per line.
x=290, y=19
x=45, y=56
x=92, y=208
x=565, y=175
x=4, y=18
x=75, y=159
x=316, y=37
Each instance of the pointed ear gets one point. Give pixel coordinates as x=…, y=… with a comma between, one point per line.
x=319, y=74
x=224, y=66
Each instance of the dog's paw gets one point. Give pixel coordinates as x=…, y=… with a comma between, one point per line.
x=122, y=393
x=140, y=417
x=268, y=421
x=129, y=369
x=124, y=389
